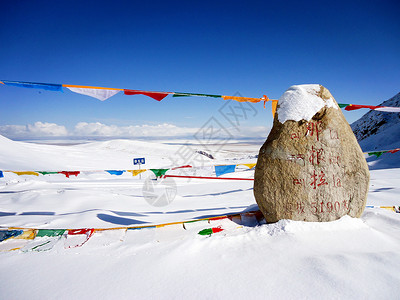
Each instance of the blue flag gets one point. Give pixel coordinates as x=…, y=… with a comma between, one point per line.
x=115, y=172
x=221, y=170
x=1, y=174
x=35, y=85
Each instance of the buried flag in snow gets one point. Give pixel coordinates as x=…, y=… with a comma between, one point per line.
x=209, y=231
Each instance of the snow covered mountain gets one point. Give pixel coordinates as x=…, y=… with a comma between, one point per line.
x=378, y=130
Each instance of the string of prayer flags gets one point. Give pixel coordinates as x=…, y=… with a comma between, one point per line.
x=159, y=172
x=96, y=92
x=103, y=93
x=34, y=85
x=221, y=170
x=155, y=95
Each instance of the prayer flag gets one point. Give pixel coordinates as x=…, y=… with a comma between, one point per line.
x=34, y=85
x=391, y=151
x=115, y=172
x=6, y=234
x=77, y=237
x=19, y=241
x=387, y=109
x=98, y=93
x=50, y=232
x=155, y=95
x=210, y=231
x=242, y=99
x=250, y=166
x=221, y=170
x=136, y=172
x=343, y=105
x=377, y=153
x=197, y=95
x=69, y=173
x=159, y=172
x=1, y=174
x=26, y=173
x=355, y=106
x=46, y=172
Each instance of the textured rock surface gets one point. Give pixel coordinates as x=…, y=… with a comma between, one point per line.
x=310, y=170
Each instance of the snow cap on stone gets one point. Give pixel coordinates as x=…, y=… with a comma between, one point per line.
x=302, y=102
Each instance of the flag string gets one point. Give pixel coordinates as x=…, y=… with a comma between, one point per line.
x=103, y=93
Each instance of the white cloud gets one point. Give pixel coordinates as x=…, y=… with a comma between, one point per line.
x=97, y=129
x=38, y=129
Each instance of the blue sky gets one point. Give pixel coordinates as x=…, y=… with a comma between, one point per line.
x=247, y=47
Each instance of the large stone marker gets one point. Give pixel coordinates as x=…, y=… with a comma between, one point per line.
x=311, y=167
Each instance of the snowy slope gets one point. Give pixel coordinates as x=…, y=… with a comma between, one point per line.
x=379, y=130
x=345, y=259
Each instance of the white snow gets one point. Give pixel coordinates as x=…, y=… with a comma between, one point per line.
x=345, y=259
x=301, y=102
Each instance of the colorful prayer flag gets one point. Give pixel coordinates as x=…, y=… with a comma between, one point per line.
x=35, y=85
x=221, y=170
x=155, y=95
x=77, y=237
x=196, y=95
x=159, y=172
x=250, y=166
x=1, y=174
x=242, y=99
x=6, y=234
x=19, y=173
x=115, y=172
x=98, y=93
x=136, y=172
x=210, y=231
x=376, y=153
x=69, y=173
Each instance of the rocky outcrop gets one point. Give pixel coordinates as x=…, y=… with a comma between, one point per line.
x=311, y=167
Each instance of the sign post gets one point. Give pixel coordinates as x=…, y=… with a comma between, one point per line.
x=139, y=161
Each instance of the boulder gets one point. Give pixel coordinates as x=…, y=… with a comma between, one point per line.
x=311, y=167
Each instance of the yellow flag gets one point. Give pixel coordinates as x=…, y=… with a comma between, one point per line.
x=250, y=166
x=389, y=208
x=136, y=172
x=26, y=173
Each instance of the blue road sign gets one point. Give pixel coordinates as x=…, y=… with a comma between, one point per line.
x=139, y=161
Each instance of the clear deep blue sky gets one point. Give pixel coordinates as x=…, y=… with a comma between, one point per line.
x=250, y=47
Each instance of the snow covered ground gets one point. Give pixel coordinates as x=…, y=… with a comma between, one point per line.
x=345, y=259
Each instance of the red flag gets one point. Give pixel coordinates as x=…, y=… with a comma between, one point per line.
x=355, y=106
x=155, y=95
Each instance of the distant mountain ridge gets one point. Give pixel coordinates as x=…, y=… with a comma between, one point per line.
x=378, y=130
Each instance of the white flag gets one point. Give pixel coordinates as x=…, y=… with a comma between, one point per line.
x=101, y=94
